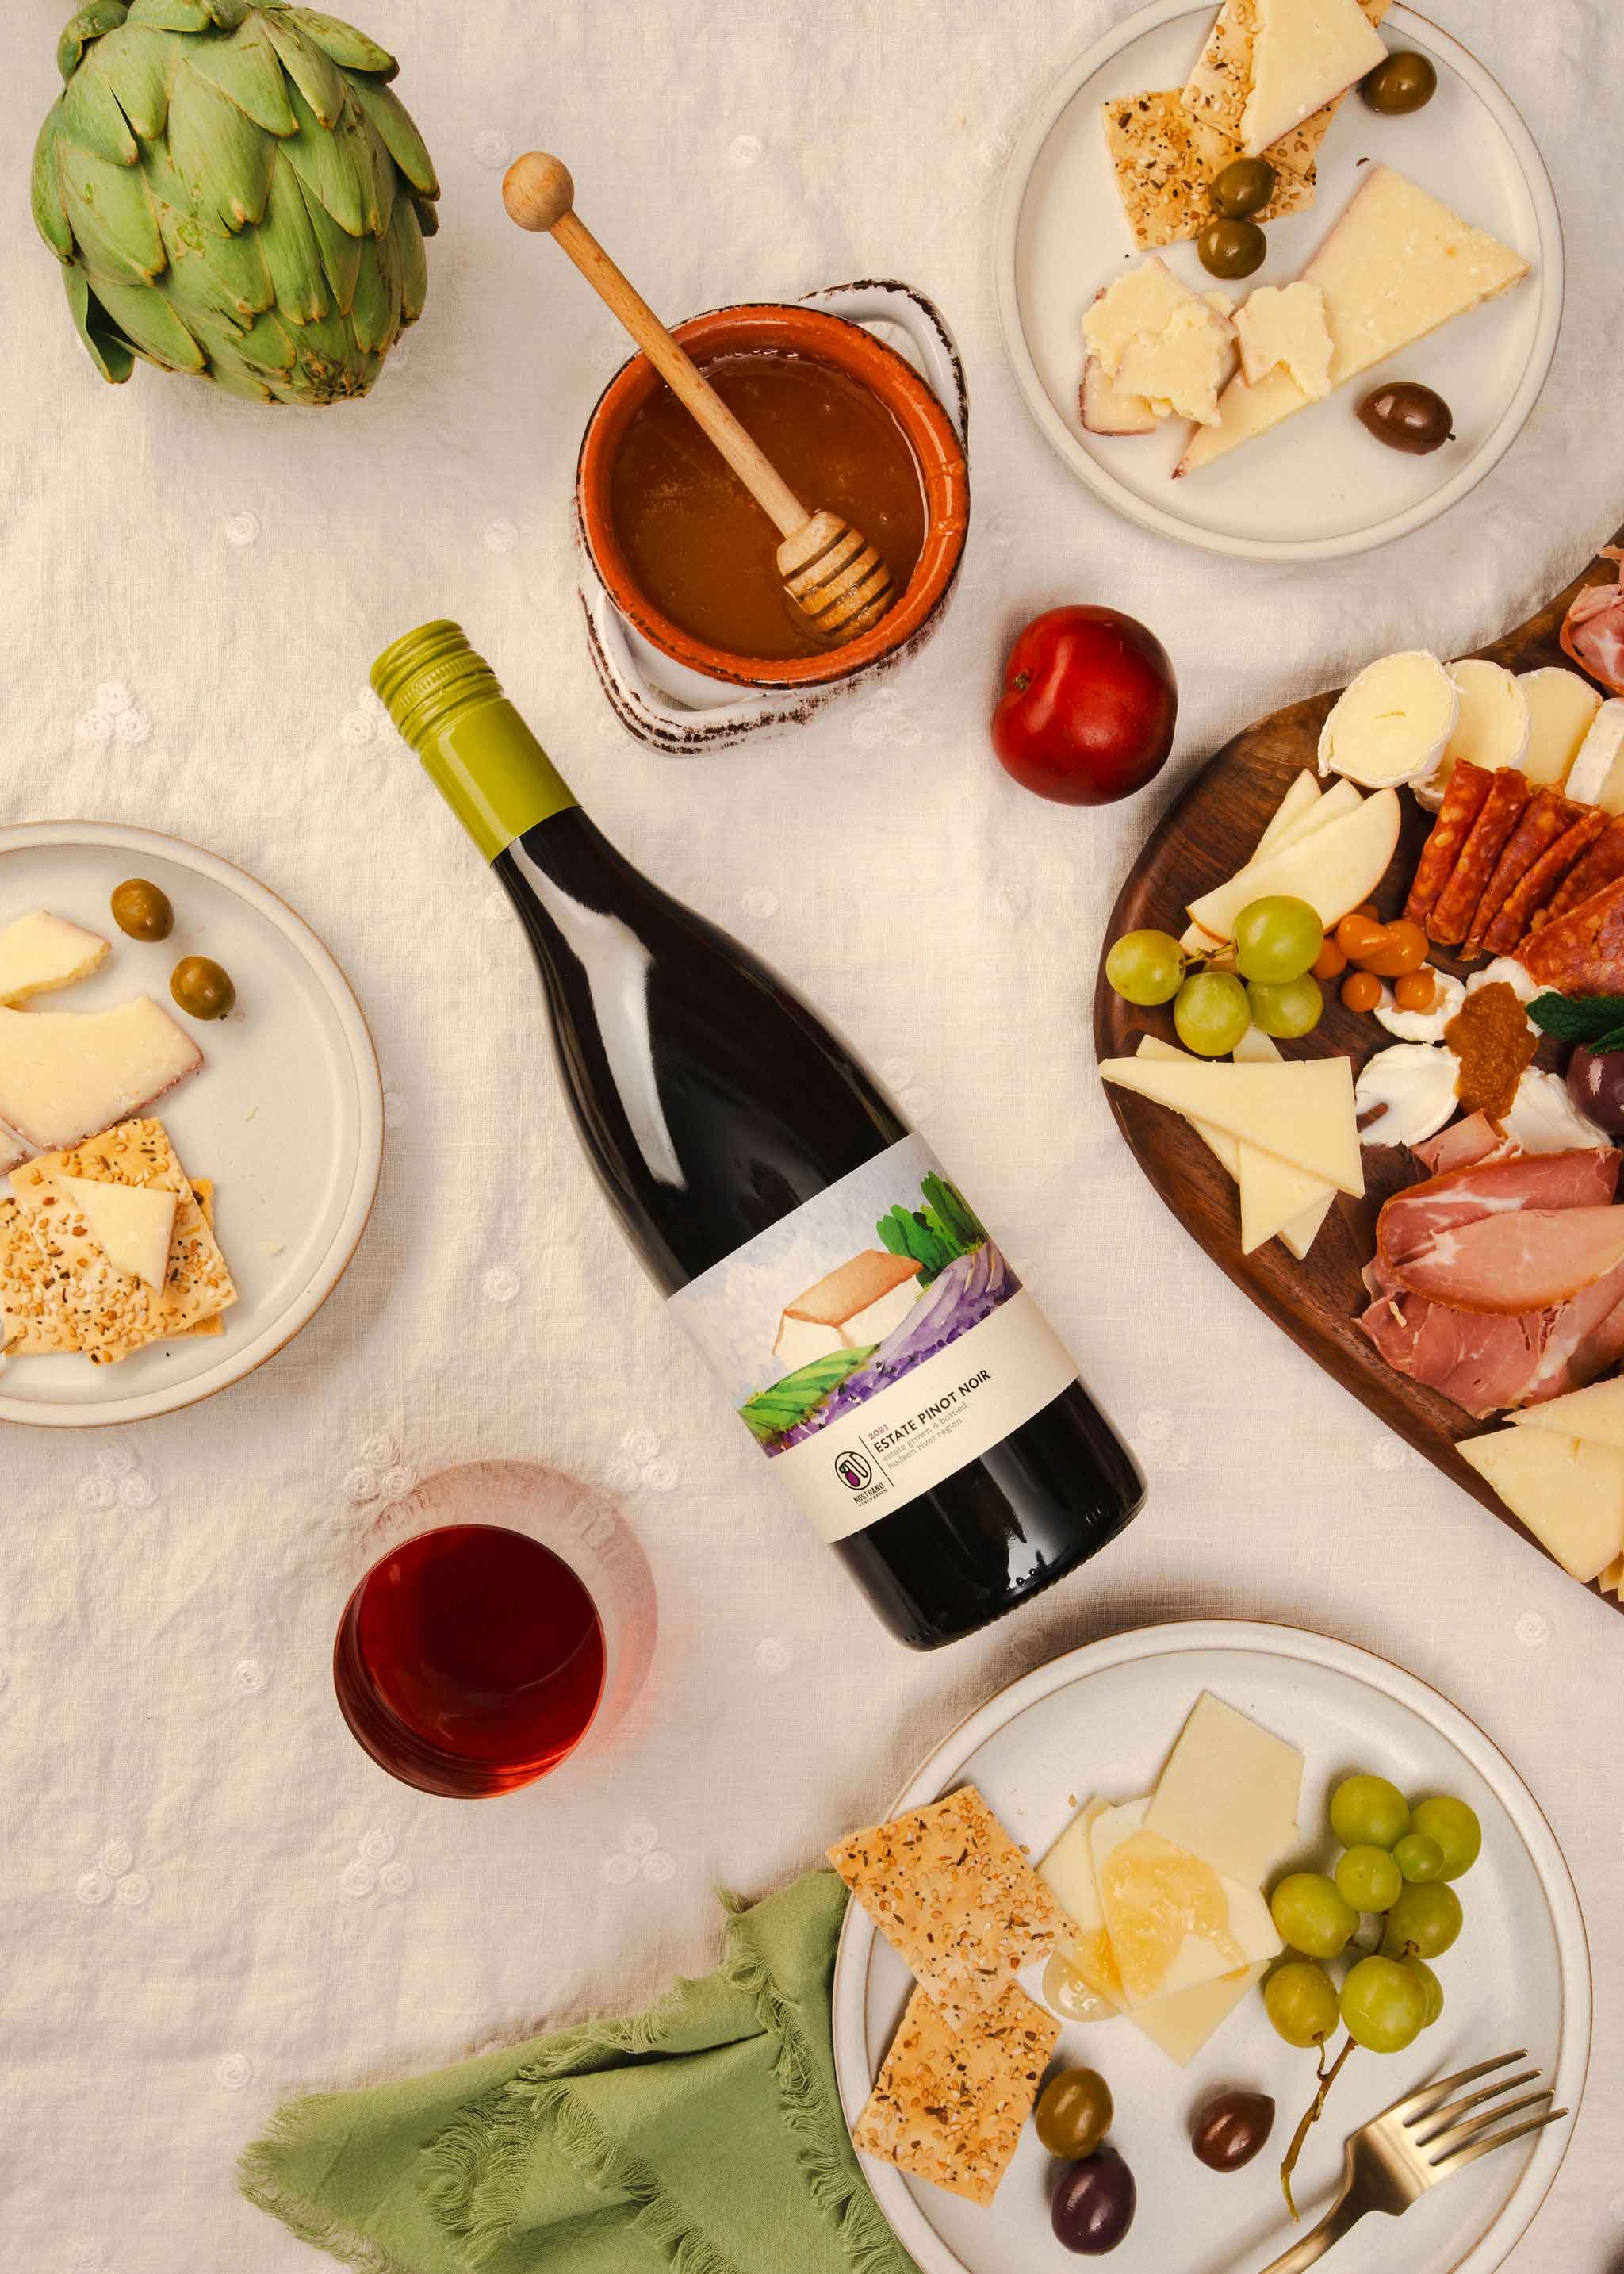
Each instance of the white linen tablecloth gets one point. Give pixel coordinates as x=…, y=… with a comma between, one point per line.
x=210, y=1897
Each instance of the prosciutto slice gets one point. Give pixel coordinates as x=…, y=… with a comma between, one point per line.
x=1462, y=1144
x=1486, y=1361
x=1593, y=630
x=1529, y=1262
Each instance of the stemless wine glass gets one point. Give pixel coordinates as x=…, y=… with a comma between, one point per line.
x=509, y=1612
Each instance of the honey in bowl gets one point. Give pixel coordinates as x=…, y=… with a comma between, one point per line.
x=698, y=546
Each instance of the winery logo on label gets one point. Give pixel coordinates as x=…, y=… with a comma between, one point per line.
x=853, y=1471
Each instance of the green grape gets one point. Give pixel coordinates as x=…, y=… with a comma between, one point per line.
x=1211, y=1013
x=1146, y=967
x=1418, y=1858
x=1383, y=2005
x=1423, y=1921
x=1456, y=1828
x=1300, y=2000
x=1277, y=939
x=1310, y=1915
x=1368, y=1879
x=1431, y=1984
x=1289, y=1010
x=1368, y=1811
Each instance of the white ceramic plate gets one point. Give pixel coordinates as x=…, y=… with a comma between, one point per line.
x=286, y=1114
x=1101, y=1720
x=1318, y=488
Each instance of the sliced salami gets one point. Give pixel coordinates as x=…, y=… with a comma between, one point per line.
x=1603, y=864
x=1582, y=953
x=1464, y=796
x=1548, y=817
x=1525, y=900
x=1456, y=905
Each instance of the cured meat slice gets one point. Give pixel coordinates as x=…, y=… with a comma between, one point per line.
x=1582, y=1341
x=1582, y=953
x=1593, y=630
x=1485, y=1362
x=1603, y=864
x=1456, y=905
x=1463, y=799
x=1585, y=1179
x=1531, y=1260
x=1463, y=1144
x=1524, y=901
x=1547, y=816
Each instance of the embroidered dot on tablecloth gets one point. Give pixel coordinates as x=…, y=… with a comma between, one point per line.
x=1389, y=1454
x=661, y=1476
x=620, y=1870
x=113, y=695
x=132, y=1890
x=992, y=152
x=138, y=1492
x=240, y=529
x=96, y=1492
x=93, y=1888
x=234, y=2071
x=93, y=725
x=490, y=148
x=772, y=1656
x=87, y=2258
x=132, y=727
x=897, y=1071
x=115, y=1461
x=396, y=1109
x=500, y=1284
x=380, y=1451
x=1009, y=903
x=377, y=1847
x=621, y=1476
x=745, y=151
x=1532, y=1628
x=399, y=1481
x=639, y=1836
x=249, y=1676
x=361, y=1484
x=916, y=1101
x=759, y=901
x=500, y=535
x=639, y=1445
x=656, y=1867
x=357, y=1879
x=117, y=1857
x=395, y=1878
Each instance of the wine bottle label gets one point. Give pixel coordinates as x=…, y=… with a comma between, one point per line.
x=876, y=1341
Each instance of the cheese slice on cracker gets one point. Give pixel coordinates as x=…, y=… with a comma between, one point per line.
x=1221, y=81
x=1165, y=161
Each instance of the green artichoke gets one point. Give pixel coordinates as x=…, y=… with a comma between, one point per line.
x=233, y=190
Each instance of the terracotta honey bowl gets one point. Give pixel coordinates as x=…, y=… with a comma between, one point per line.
x=671, y=685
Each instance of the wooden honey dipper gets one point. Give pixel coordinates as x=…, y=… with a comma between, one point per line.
x=835, y=579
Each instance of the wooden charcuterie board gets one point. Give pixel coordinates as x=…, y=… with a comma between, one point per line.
x=1206, y=836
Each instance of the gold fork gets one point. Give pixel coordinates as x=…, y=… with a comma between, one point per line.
x=1392, y=2160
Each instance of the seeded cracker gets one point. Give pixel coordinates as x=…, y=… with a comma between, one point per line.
x=34, y=1323
x=953, y=1894
x=1165, y=161
x=1221, y=81
x=950, y=2104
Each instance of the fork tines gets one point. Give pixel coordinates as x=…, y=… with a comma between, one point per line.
x=1454, y=2142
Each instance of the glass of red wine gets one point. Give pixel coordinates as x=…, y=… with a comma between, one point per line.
x=473, y=1656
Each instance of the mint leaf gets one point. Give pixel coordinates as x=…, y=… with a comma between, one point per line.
x=1597, y=1019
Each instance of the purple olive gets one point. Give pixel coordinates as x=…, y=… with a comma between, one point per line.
x=1093, y=2205
x=1596, y=1085
x=1231, y=2129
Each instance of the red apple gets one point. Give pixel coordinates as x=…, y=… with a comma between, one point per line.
x=1088, y=706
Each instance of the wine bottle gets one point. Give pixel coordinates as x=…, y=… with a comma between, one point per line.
x=870, y=1333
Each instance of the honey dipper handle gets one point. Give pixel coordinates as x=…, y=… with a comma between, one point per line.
x=538, y=193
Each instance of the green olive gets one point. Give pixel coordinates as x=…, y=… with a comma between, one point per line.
x=142, y=911
x=1244, y=187
x=1231, y=248
x=1405, y=82
x=1074, y=2113
x=202, y=988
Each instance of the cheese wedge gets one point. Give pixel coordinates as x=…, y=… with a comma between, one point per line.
x=1182, y=2024
x=1301, y=1109
x=1255, y=1048
x=1491, y=725
x=1597, y=774
x=1334, y=868
x=1275, y=1195
x=1595, y=1415
x=40, y=952
x=1393, y=723
x=1298, y=803
x=1612, y=1580
x=1569, y=1494
x=132, y=1225
x=1397, y=265
x=1105, y=408
x=1230, y=1792
x=1067, y=1870
x=1304, y=53
x=1300, y=1234
x=1285, y=324
x=1562, y=708
x=1137, y=306
x=1183, y=364
x=66, y=1075
x=1174, y=1922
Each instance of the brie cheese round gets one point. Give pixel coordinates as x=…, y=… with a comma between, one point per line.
x=1544, y=1118
x=1597, y=774
x=1413, y=1086
x=1490, y=729
x=1393, y=724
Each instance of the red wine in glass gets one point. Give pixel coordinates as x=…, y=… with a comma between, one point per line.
x=469, y=1661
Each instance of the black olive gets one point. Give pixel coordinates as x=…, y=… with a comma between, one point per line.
x=1244, y=188
x=1405, y=82
x=1232, y=248
x=1231, y=2129
x=1407, y=417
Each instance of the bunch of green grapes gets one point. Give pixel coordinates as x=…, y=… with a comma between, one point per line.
x=1397, y=1864
x=1277, y=942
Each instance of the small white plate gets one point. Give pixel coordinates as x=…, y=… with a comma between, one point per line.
x=1101, y=1720
x=1319, y=487
x=286, y=1114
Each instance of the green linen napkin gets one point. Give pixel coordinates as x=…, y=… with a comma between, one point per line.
x=702, y=2137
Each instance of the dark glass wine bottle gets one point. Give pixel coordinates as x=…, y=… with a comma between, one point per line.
x=923, y=1413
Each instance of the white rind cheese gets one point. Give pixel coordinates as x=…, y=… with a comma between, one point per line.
x=132, y=1225
x=1492, y=726
x=1543, y=1118
x=1410, y=1089
x=1304, y=53
x=1561, y=707
x=66, y=1075
x=1448, y=994
x=1284, y=325
x=1597, y=773
x=40, y=952
x=1393, y=724
x=1397, y=265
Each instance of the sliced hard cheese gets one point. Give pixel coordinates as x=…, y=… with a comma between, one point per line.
x=1570, y=1494
x=1595, y=1415
x=64, y=1074
x=1298, y=803
x=132, y=1225
x=1301, y=1109
x=1105, y=408
x=1303, y=1229
x=1255, y=1048
x=1219, y=83
x=1304, y=53
x=1182, y=2024
x=1393, y=723
x=1183, y=364
x=1612, y=1580
x=1067, y=1870
x=1491, y=726
x=1562, y=707
x=1174, y=1921
x=1230, y=1792
x=1597, y=775
x=40, y=952
x=1285, y=324
x=1396, y=266
x=1334, y=868
x=1276, y=1198
x=1135, y=307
